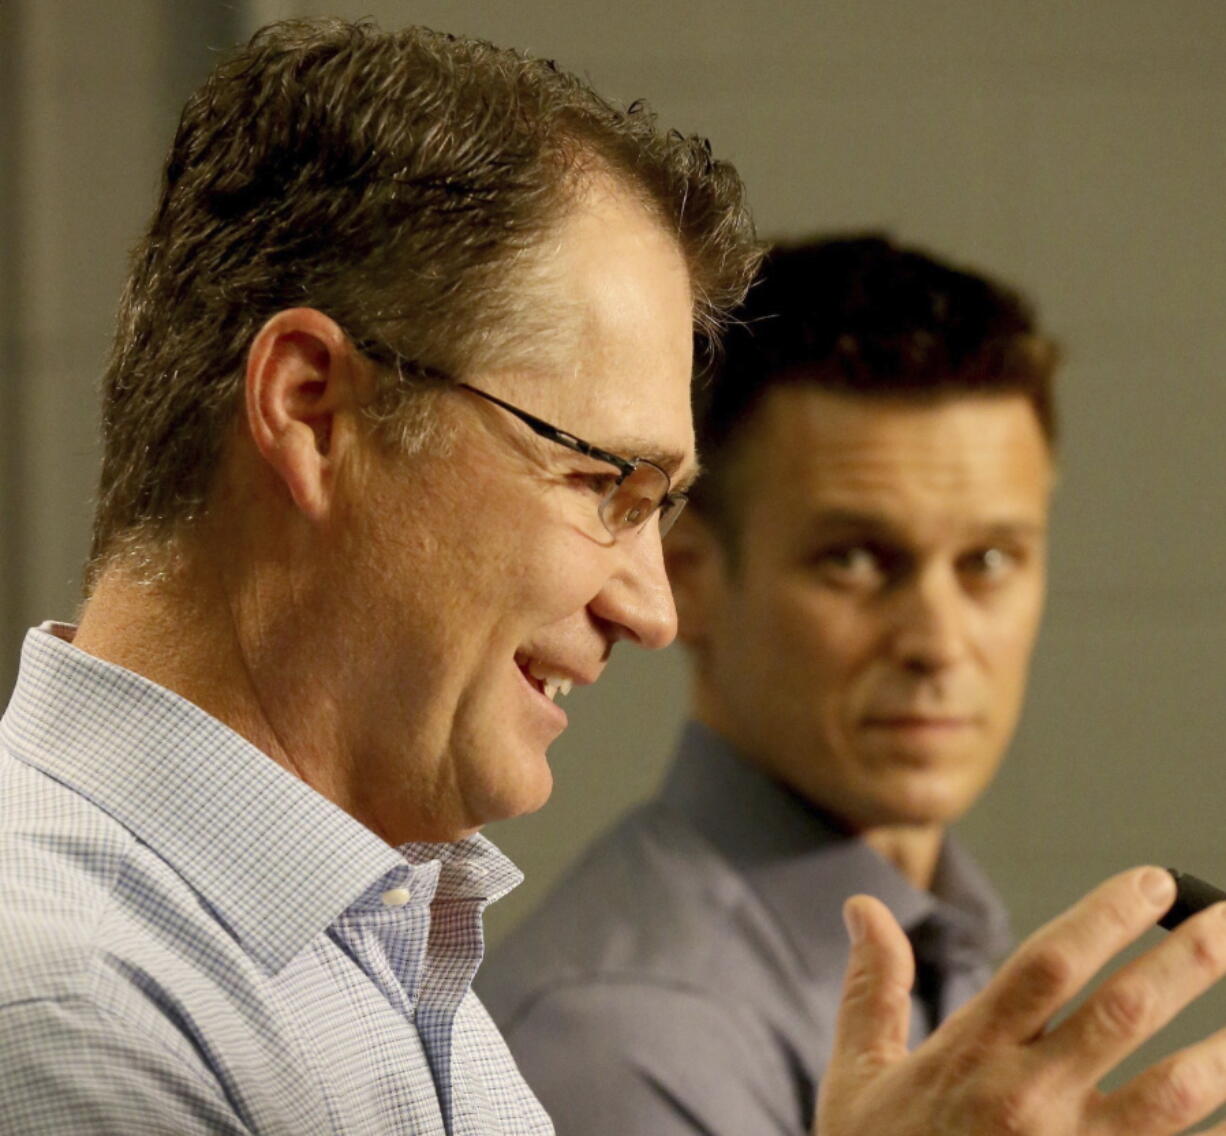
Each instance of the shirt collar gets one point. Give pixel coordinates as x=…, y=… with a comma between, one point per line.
x=802, y=866
x=276, y=860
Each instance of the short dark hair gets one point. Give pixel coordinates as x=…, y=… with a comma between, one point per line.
x=861, y=315
x=392, y=180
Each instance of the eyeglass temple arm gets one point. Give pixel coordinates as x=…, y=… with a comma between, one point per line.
x=554, y=433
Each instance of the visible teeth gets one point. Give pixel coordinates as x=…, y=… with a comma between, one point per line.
x=556, y=686
x=553, y=684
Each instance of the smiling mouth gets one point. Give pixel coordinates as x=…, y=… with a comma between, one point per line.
x=548, y=682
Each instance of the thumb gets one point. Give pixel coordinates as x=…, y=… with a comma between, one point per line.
x=873, y=1019
x=871, y=1031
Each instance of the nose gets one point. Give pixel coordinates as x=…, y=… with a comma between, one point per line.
x=929, y=626
x=636, y=602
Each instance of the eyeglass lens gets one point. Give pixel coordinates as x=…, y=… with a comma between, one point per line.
x=632, y=502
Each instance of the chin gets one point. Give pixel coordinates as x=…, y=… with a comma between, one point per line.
x=526, y=802
x=507, y=801
x=921, y=802
x=926, y=812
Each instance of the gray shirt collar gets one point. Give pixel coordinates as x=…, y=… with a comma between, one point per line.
x=801, y=865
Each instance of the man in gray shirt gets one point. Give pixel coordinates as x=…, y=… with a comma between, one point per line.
x=859, y=581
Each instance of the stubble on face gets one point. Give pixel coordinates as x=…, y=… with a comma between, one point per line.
x=870, y=640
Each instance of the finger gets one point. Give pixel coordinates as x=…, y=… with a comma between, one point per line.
x=1140, y=998
x=1167, y=1097
x=875, y=1011
x=1062, y=956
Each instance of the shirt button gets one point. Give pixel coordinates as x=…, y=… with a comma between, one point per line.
x=395, y=897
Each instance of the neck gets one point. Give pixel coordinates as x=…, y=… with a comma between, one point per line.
x=208, y=632
x=176, y=629
x=912, y=849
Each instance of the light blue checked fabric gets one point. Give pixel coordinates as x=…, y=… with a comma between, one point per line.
x=194, y=941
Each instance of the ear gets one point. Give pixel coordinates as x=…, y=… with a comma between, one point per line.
x=303, y=375
x=694, y=558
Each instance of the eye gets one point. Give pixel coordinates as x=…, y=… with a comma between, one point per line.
x=600, y=484
x=629, y=509
x=989, y=565
x=853, y=565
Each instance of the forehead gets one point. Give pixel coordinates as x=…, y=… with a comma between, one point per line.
x=953, y=462
x=612, y=360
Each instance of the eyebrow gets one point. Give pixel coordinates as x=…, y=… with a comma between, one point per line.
x=685, y=484
x=668, y=460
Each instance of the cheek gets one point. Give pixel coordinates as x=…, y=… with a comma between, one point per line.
x=515, y=546
x=1008, y=637
x=827, y=634
x=1008, y=645
x=812, y=650
x=1008, y=678
x=555, y=571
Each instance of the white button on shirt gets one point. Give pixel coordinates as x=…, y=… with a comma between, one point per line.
x=396, y=897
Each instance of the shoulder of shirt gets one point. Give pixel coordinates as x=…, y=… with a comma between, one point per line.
x=650, y=903
x=61, y=863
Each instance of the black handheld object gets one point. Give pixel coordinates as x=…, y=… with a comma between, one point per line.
x=1192, y=895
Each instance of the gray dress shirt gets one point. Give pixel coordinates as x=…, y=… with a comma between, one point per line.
x=685, y=975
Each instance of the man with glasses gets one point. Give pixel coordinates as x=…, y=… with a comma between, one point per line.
x=398, y=408
x=339, y=579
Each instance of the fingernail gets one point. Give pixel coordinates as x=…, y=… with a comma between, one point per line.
x=854, y=922
x=1158, y=887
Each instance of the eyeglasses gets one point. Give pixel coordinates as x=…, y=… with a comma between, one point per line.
x=641, y=489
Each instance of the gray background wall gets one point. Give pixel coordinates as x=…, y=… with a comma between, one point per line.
x=1076, y=148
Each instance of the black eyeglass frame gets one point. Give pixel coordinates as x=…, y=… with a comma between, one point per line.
x=670, y=504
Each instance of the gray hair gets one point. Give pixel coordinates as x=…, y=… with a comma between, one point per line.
x=397, y=181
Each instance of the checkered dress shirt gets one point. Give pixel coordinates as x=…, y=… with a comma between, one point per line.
x=194, y=941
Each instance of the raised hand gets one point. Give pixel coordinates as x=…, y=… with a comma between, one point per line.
x=994, y=1067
